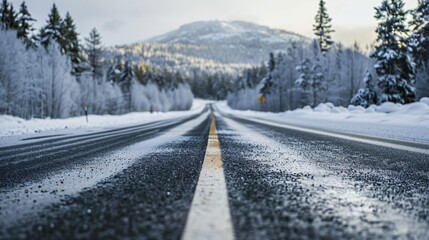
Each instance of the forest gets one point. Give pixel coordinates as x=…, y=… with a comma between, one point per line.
x=396, y=70
x=50, y=73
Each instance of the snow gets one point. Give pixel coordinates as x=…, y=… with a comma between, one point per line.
x=14, y=128
x=390, y=121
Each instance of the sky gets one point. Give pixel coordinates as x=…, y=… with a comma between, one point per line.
x=129, y=21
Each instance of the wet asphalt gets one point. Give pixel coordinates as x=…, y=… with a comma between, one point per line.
x=282, y=184
x=286, y=184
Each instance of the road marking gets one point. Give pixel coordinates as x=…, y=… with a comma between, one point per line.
x=209, y=217
x=342, y=136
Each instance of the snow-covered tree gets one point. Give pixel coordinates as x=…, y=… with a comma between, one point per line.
x=323, y=28
x=94, y=52
x=52, y=31
x=63, y=88
x=126, y=80
x=394, y=68
x=365, y=96
x=419, y=43
x=25, y=26
x=419, y=38
x=114, y=72
x=311, y=80
x=267, y=81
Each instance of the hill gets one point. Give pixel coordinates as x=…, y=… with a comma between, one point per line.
x=225, y=46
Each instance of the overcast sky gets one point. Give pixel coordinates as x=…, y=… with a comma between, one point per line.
x=128, y=21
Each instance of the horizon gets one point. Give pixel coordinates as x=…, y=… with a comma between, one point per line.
x=352, y=21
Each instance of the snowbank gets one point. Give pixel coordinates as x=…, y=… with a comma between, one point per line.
x=395, y=121
x=17, y=126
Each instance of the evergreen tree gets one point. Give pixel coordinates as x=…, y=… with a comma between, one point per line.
x=94, y=51
x=25, y=26
x=323, y=28
x=4, y=14
x=8, y=16
x=115, y=70
x=12, y=18
x=70, y=44
x=419, y=39
x=126, y=80
x=267, y=81
x=305, y=74
x=393, y=66
x=365, y=96
x=53, y=29
x=311, y=79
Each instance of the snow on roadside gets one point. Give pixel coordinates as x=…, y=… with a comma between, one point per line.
x=13, y=126
x=394, y=121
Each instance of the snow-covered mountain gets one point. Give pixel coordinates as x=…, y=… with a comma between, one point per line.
x=226, y=33
x=212, y=45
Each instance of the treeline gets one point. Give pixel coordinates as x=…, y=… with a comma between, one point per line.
x=309, y=74
x=49, y=73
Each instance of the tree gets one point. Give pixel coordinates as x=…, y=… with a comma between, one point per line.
x=126, y=80
x=267, y=81
x=115, y=70
x=25, y=26
x=419, y=44
x=311, y=79
x=94, y=51
x=70, y=40
x=323, y=28
x=53, y=29
x=4, y=13
x=8, y=16
x=365, y=96
x=419, y=38
x=393, y=66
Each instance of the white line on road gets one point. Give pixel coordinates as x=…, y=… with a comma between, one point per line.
x=209, y=217
x=343, y=136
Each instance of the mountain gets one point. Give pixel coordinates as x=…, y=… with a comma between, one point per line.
x=226, y=32
x=225, y=46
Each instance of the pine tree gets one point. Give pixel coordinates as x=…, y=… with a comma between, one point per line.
x=25, y=26
x=12, y=18
x=8, y=16
x=311, y=79
x=115, y=70
x=53, y=29
x=71, y=45
x=419, y=39
x=365, y=96
x=126, y=80
x=393, y=66
x=323, y=28
x=94, y=51
x=305, y=74
x=4, y=14
x=267, y=81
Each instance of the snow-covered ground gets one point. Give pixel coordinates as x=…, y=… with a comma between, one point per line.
x=401, y=122
x=13, y=129
x=393, y=121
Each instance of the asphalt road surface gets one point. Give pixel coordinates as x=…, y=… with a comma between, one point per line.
x=214, y=176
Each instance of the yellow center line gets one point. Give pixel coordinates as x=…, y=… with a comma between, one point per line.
x=209, y=216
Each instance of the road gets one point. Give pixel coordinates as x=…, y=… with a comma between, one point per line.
x=214, y=176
